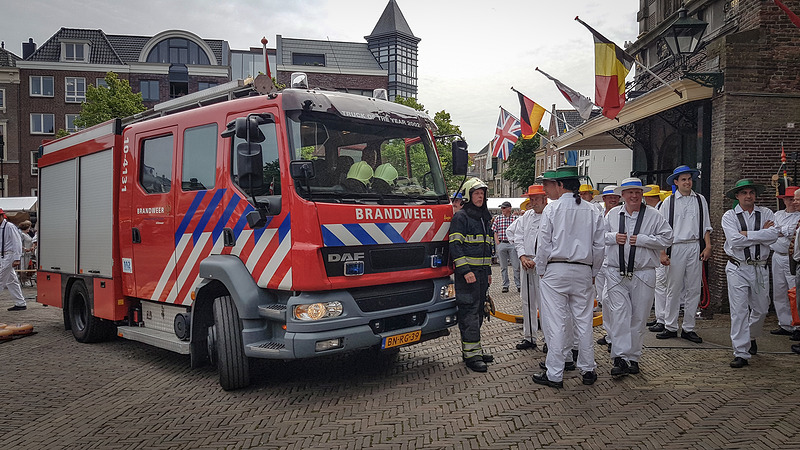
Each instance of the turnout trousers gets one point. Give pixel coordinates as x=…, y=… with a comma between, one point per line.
x=567, y=292
x=629, y=301
x=684, y=279
x=749, y=301
x=470, y=298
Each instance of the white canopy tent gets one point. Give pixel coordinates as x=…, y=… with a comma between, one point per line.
x=26, y=204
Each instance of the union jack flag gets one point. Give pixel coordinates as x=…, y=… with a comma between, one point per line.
x=506, y=135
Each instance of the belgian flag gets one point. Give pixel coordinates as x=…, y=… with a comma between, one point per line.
x=530, y=116
x=611, y=66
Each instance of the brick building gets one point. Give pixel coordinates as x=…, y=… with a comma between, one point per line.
x=9, y=117
x=739, y=101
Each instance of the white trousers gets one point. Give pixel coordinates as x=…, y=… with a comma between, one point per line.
x=660, y=294
x=684, y=279
x=530, y=304
x=600, y=289
x=748, y=294
x=629, y=301
x=9, y=279
x=782, y=281
x=567, y=293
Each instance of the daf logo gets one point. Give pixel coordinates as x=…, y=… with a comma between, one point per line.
x=335, y=257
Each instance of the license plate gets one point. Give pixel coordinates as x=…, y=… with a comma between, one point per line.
x=401, y=339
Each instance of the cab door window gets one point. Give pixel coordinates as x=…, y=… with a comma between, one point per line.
x=155, y=173
x=270, y=160
x=199, y=158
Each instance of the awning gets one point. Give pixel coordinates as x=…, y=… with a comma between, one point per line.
x=649, y=104
x=18, y=203
x=494, y=203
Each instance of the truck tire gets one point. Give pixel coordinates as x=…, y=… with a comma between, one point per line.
x=85, y=327
x=232, y=364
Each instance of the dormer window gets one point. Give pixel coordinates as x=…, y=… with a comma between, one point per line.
x=75, y=51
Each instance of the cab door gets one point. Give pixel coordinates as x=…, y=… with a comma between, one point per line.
x=152, y=213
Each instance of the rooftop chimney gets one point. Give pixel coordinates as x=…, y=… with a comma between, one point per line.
x=28, y=48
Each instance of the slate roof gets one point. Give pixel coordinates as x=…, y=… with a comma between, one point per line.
x=8, y=59
x=107, y=48
x=392, y=21
x=344, y=55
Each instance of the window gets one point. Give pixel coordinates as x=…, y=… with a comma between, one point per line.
x=100, y=82
x=35, y=162
x=205, y=85
x=70, y=121
x=271, y=178
x=41, y=86
x=2, y=99
x=71, y=51
x=178, y=51
x=155, y=173
x=75, y=90
x=42, y=123
x=149, y=90
x=199, y=158
x=305, y=59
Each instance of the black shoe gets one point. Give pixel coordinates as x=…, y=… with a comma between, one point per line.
x=634, y=368
x=620, y=368
x=589, y=378
x=568, y=366
x=525, y=344
x=657, y=327
x=738, y=362
x=753, y=347
x=487, y=357
x=781, y=332
x=574, y=355
x=18, y=308
x=541, y=378
x=796, y=348
x=505, y=289
x=518, y=289
x=476, y=364
x=602, y=341
x=544, y=348
x=691, y=336
x=666, y=334
x=795, y=336
x=651, y=323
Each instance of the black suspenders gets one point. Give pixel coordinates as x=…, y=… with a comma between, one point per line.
x=747, y=255
x=700, y=217
x=632, y=255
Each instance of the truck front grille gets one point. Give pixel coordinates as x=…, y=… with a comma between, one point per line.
x=390, y=296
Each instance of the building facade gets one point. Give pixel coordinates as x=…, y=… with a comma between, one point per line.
x=9, y=120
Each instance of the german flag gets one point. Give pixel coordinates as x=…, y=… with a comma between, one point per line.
x=530, y=116
x=611, y=66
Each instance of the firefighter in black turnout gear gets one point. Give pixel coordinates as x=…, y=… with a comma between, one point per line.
x=471, y=240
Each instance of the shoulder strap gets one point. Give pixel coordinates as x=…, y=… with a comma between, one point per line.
x=700, y=219
x=622, y=246
x=671, y=218
x=743, y=225
x=628, y=270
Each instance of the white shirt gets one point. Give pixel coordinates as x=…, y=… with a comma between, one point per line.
x=735, y=242
x=12, y=241
x=523, y=232
x=685, y=226
x=571, y=232
x=655, y=235
x=786, y=223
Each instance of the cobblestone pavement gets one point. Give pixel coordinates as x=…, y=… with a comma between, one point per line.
x=57, y=393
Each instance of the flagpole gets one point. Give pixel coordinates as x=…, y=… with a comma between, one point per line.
x=647, y=69
x=553, y=79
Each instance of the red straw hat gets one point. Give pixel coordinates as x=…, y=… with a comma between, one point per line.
x=534, y=189
x=789, y=192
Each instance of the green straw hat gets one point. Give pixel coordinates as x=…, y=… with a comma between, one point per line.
x=745, y=183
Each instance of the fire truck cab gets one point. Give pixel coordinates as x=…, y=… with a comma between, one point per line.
x=229, y=225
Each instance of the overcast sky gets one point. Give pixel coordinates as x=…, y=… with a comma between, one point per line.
x=470, y=55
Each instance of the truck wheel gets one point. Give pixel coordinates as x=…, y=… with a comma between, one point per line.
x=86, y=327
x=232, y=364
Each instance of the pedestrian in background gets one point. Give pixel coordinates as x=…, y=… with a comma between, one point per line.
x=505, y=251
x=786, y=221
x=10, y=256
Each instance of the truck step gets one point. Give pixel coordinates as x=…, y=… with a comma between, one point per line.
x=155, y=338
x=267, y=348
x=273, y=311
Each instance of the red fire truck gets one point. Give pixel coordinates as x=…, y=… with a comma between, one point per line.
x=241, y=222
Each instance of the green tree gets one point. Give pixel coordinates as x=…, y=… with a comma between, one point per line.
x=521, y=169
x=445, y=126
x=106, y=103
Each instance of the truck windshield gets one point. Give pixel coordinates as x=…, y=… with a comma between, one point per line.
x=357, y=162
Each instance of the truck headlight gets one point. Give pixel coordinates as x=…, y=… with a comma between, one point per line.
x=317, y=311
x=448, y=291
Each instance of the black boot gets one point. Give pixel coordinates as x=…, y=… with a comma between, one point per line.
x=620, y=368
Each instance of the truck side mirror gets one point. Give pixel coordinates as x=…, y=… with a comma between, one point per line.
x=302, y=169
x=249, y=165
x=460, y=157
x=247, y=128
